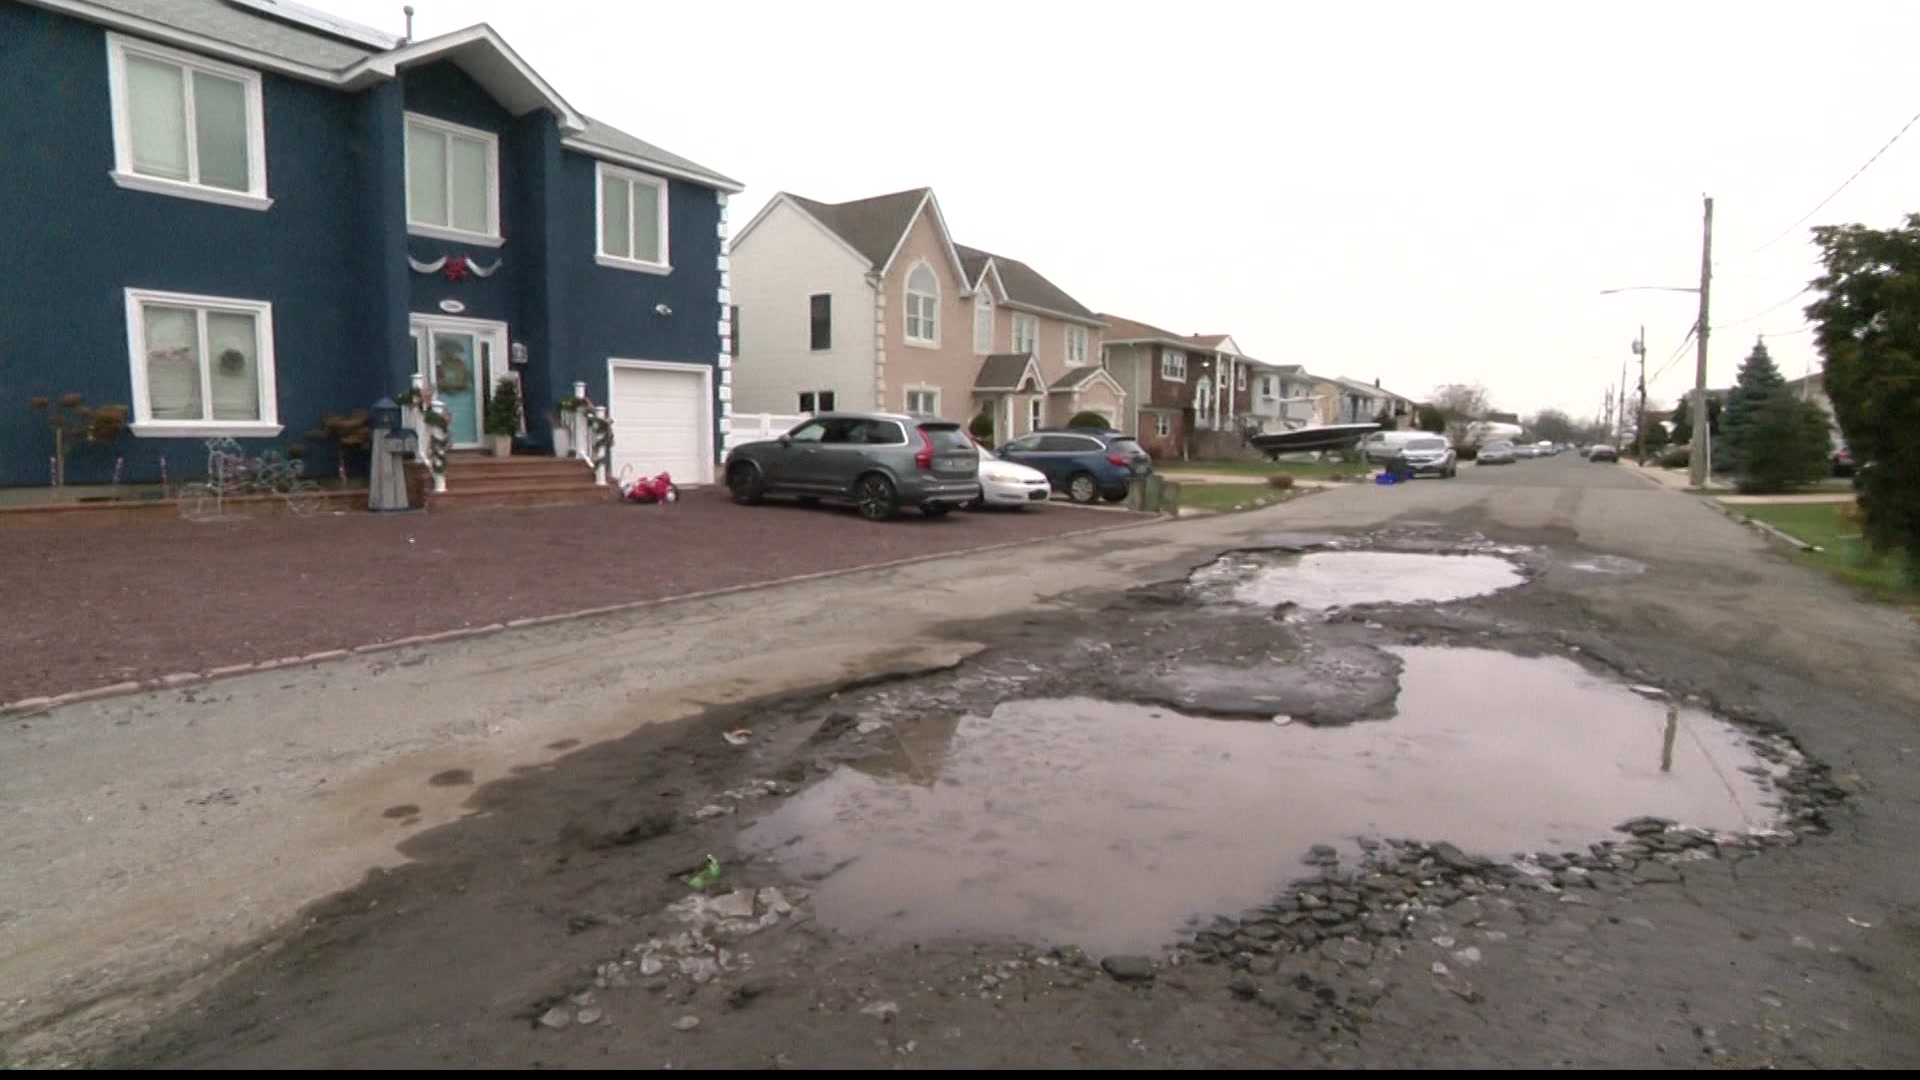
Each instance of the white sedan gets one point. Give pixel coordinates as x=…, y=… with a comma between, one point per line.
x=1002, y=483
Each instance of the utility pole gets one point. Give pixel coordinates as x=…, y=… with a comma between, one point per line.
x=1698, y=463
x=1640, y=427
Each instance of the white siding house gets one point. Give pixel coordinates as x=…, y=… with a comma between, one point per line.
x=779, y=263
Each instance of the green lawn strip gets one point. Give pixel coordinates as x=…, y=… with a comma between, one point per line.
x=1228, y=497
x=1843, y=553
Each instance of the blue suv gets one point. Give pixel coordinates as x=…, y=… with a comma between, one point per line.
x=1085, y=463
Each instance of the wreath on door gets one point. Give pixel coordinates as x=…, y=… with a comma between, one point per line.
x=450, y=371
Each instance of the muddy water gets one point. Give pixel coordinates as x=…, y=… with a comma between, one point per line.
x=1323, y=580
x=1107, y=825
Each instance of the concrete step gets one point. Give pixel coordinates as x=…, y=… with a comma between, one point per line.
x=462, y=469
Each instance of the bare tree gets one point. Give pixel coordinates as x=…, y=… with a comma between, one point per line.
x=1461, y=404
x=1554, y=426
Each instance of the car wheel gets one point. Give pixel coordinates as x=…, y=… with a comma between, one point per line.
x=1081, y=488
x=746, y=485
x=936, y=510
x=875, y=498
x=809, y=500
x=1119, y=495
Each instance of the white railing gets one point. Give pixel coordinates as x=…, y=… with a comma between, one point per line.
x=750, y=427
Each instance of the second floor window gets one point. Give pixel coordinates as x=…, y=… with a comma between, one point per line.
x=923, y=306
x=186, y=126
x=1076, y=345
x=633, y=220
x=983, y=325
x=820, y=315
x=1173, y=365
x=453, y=181
x=1026, y=334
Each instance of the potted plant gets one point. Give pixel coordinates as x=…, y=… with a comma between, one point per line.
x=503, y=417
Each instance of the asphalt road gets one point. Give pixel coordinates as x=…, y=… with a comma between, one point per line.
x=152, y=839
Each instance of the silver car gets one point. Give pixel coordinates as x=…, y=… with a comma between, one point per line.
x=1432, y=455
x=1496, y=453
x=879, y=462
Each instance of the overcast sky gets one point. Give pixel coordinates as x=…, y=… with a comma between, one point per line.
x=1418, y=192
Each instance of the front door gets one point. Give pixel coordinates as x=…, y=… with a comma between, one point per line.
x=460, y=359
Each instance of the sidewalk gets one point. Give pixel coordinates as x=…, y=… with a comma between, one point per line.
x=1677, y=479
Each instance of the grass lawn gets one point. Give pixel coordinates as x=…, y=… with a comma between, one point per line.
x=1845, y=555
x=1226, y=497
x=1306, y=470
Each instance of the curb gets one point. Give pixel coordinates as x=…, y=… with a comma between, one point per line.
x=1774, y=532
x=31, y=706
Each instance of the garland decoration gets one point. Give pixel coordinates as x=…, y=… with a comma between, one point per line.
x=453, y=267
x=439, y=422
x=602, y=429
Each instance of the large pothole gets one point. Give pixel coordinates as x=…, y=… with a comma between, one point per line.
x=1085, y=822
x=1327, y=580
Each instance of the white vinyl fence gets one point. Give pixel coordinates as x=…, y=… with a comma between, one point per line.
x=748, y=427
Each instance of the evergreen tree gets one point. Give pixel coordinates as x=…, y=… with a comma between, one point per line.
x=1786, y=446
x=1759, y=382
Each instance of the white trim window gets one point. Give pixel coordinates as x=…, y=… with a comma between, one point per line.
x=1076, y=346
x=924, y=403
x=923, y=306
x=202, y=365
x=982, y=324
x=185, y=125
x=1267, y=387
x=1163, y=424
x=1026, y=334
x=453, y=181
x=633, y=220
x=1239, y=377
x=1173, y=365
x=1036, y=413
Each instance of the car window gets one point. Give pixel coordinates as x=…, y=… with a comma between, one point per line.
x=1499, y=446
x=1426, y=444
x=1026, y=444
x=811, y=431
x=1124, y=446
x=868, y=433
x=947, y=437
x=1067, y=444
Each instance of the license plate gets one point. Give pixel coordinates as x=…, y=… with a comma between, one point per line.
x=957, y=463
x=1037, y=495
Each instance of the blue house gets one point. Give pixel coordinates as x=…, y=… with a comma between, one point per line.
x=237, y=217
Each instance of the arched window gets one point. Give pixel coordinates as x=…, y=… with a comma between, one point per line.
x=923, y=305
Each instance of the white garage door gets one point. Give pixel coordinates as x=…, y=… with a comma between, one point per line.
x=662, y=423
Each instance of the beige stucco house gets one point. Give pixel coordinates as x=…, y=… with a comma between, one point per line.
x=870, y=305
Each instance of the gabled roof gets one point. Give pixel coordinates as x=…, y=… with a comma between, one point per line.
x=1008, y=372
x=1130, y=332
x=1358, y=387
x=606, y=141
x=1023, y=286
x=280, y=37
x=1079, y=378
x=875, y=228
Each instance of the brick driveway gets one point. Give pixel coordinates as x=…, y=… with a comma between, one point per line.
x=88, y=604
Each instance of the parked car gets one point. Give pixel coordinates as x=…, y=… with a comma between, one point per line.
x=1381, y=445
x=1085, y=463
x=1496, y=453
x=878, y=462
x=1842, y=461
x=1604, y=452
x=1431, y=455
x=1006, y=483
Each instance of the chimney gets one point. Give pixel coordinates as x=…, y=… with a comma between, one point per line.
x=1376, y=382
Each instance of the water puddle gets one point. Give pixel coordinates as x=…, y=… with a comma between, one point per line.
x=1107, y=825
x=1324, y=580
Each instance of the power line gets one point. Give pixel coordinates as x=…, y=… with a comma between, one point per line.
x=1769, y=311
x=1677, y=354
x=1821, y=205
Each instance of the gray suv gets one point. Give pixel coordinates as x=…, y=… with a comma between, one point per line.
x=879, y=462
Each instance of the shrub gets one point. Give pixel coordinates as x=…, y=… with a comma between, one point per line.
x=503, y=409
x=1784, y=446
x=981, y=426
x=1676, y=459
x=1280, y=480
x=1090, y=420
x=1466, y=453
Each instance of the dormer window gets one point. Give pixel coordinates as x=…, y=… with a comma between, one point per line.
x=923, y=306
